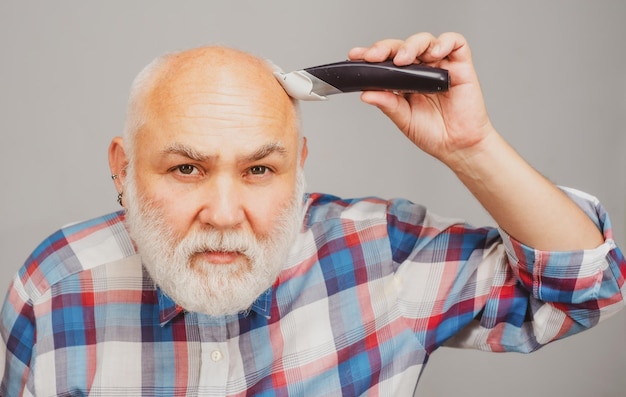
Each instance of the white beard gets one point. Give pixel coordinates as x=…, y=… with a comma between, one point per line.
x=196, y=285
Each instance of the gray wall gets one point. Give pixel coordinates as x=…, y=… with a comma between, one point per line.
x=552, y=73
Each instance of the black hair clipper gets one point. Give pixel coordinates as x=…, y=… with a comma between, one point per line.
x=315, y=83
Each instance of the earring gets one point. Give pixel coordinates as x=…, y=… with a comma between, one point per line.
x=119, y=198
x=114, y=177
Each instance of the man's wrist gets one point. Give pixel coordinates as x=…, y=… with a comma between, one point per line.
x=484, y=154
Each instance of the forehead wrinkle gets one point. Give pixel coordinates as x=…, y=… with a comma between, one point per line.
x=229, y=105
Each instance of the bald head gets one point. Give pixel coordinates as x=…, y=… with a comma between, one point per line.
x=227, y=81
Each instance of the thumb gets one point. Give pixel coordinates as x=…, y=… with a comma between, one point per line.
x=396, y=107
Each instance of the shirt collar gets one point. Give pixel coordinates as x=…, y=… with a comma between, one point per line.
x=168, y=309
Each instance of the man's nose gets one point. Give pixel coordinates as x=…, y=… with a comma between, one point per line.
x=222, y=204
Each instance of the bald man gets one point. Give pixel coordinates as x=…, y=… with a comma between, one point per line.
x=222, y=277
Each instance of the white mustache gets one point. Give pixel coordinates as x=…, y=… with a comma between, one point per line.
x=214, y=241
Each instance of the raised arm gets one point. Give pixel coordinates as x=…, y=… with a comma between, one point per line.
x=455, y=128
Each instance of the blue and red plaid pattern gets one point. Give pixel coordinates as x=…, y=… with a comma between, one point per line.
x=371, y=288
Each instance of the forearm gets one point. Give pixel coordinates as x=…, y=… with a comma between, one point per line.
x=523, y=202
x=454, y=127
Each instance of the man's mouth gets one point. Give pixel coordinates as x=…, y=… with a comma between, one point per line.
x=220, y=257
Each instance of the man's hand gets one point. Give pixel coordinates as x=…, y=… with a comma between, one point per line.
x=443, y=124
x=454, y=127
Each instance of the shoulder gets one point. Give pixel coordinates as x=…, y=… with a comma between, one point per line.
x=75, y=248
x=322, y=207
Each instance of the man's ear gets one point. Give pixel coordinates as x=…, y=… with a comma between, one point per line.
x=304, y=152
x=118, y=161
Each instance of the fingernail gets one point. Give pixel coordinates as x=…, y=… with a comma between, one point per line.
x=401, y=54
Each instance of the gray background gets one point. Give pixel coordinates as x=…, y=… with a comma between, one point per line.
x=552, y=73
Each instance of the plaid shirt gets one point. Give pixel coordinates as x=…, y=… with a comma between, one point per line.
x=370, y=290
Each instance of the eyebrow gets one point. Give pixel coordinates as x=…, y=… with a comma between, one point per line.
x=264, y=151
x=180, y=149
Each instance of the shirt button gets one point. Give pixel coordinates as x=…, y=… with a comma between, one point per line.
x=216, y=355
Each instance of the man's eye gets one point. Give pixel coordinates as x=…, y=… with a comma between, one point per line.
x=186, y=169
x=258, y=170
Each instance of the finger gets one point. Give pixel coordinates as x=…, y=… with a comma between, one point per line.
x=453, y=46
x=420, y=47
x=356, y=53
x=426, y=48
x=377, y=52
x=394, y=106
x=413, y=48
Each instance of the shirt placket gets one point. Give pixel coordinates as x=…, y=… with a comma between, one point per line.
x=214, y=356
